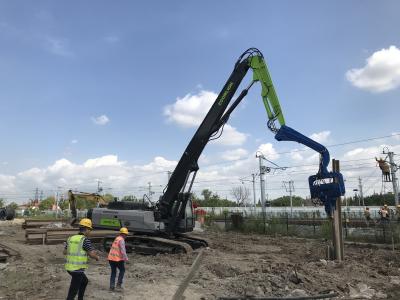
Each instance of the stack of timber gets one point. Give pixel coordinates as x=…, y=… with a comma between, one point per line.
x=37, y=223
x=6, y=252
x=59, y=235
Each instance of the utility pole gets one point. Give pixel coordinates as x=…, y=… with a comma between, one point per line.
x=289, y=186
x=99, y=188
x=254, y=192
x=360, y=189
x=56, y=201
x=260, y=156
x=393, y=169
x=150, y=192
x=36, y=199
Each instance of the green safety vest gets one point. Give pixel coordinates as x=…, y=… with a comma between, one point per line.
x=76, y=257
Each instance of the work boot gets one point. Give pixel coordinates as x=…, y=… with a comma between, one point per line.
x=112, y=289
x=119, y=288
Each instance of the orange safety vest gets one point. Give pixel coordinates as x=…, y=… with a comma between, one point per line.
x=115, y=252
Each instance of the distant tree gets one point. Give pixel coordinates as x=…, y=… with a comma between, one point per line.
x=374, y=200
x=47, y=203
x=241, y=194
x=2, y=202
x=108, y=197
x=206, y=193
x=63, y=204
x=213, y=200
x=285, y=201
x=13, y=205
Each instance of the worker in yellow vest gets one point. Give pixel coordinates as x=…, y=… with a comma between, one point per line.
x=77, y=250
x=117, y=257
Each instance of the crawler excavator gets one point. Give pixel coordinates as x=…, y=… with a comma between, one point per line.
x=164, y=226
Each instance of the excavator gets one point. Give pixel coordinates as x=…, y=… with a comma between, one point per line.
x=73, y=197
x=165, y=226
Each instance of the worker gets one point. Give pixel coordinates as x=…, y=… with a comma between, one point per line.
x=398, y=213
x=385, y=168
x=384, y=213
x=117, y=258
x=367, y=214
x=77, y=250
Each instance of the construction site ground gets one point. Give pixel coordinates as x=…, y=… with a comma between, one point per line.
x=234, y=265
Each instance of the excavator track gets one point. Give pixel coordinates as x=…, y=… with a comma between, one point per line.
x=193, y=240
x=150, y=245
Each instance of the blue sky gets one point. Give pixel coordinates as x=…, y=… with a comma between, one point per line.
x=95, y=90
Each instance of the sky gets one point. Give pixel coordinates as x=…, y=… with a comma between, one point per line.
x=99, y=93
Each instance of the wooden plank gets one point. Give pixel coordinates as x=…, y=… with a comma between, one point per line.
x=337, y=221
x=182, y=287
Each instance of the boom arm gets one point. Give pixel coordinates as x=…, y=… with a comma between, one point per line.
x=172, y=203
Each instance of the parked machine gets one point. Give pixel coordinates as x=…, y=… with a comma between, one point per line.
x=7, y=213
x=164, y=226
x=97, y=199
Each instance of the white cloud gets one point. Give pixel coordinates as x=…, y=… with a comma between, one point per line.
x=234, y=154
x=159, y=164
x=7, y=183
x=381, y=72
x=107, y=160
x=396, y=136
x=230, y=137
x=59, y=165
x=58, y=46
x=269, y=151
x=190, y=110
x=296, y=155
x=101, y=120
x=320, y=137
x=74, y=141
x=219, y=176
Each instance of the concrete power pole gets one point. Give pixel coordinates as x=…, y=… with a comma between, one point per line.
x=393, y=169
x=262, y=182
x=150, y=192
x=99, y=188
x=254, y=192
x=289, y=186
x=360, y=189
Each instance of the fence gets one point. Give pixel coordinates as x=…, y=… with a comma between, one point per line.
x=296, y=211
x=309, y=223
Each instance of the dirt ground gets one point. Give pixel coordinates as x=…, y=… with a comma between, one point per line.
x=235, y=265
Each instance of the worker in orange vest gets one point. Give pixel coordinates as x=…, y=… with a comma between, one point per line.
x=117, y=257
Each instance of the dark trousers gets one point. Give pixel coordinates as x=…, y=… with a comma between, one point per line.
x=78, y=285
x=121, y=267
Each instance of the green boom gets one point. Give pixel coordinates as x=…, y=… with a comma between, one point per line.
x=270, y=99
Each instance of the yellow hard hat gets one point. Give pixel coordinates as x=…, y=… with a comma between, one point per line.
x=124, y=230
x=85, y=222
